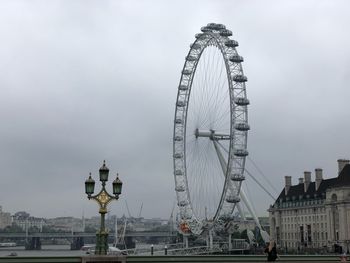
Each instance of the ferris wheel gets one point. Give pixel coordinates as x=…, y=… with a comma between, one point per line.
x=210, y=130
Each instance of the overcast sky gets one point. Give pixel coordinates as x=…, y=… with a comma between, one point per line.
x=84, y=81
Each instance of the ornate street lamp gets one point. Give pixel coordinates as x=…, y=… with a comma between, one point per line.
x=103, y=198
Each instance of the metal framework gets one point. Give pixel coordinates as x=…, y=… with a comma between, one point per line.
x=210, y=114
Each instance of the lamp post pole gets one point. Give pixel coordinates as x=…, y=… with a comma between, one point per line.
x=103, y=198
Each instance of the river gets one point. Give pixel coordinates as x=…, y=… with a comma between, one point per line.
x=46, y=250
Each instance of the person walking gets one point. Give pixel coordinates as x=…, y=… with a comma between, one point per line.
x=271, y=251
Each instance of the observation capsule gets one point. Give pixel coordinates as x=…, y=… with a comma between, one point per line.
x=195, y=46
x=183, y=87
x=178, y=121
x=178, y=172
x=215, y=26
x=241, y=101
x=178, y=138
x=191, y=58
x=180, y=188
x=211, y=26
x=233, y=199
x=226, y=33
x=236, y=59
x=182, y=203
x=186, y=216
x=231, y=43
x=237, y=177
x=240, y=152
x=239, y=78
x=178, y=155
x=242, y=126
x=186, y=72
x=205, y=29
x=181, y=104
x=199, y=35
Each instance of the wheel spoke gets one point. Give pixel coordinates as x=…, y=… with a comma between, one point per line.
x=206, y=112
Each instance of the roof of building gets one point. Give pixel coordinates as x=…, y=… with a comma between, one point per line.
x=297, y=191
x=344, y=177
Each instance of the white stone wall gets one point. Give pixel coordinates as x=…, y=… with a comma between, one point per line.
x=290, y=221
x=5, y=219
x=329, y=221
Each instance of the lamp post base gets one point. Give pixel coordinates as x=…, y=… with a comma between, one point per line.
x=101, y=243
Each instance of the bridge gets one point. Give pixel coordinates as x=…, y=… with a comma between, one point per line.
x=33, y=240
x=82, y=234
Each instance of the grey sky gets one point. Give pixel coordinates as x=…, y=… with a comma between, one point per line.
x=83, y=81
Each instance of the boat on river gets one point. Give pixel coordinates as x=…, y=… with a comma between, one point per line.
x=8, y=244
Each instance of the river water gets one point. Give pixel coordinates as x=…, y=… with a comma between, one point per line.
x=64, y=250
x=46, y=250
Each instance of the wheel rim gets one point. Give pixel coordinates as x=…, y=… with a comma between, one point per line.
x=209, y=106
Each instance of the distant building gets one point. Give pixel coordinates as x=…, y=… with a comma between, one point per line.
x=25, y=221
x=5, y=219
x=94, y=221
x=313, y=214
x=21, y=214
x=66, y=224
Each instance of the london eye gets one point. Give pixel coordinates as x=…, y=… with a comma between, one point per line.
x=210, y=130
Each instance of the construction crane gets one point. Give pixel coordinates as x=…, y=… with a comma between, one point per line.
x=139, y=215
x=127, y=208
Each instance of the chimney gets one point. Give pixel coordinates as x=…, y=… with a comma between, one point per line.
x=301, y=180
x=319, y=177
x=288, y=184
x=307, y=180
x=341, y=164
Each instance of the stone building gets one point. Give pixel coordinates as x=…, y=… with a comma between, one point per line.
x=313, y=214
x=66, y=224
x=25, y=221
x=5, y=219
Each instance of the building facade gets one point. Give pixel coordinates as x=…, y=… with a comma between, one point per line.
x=5, y=219
x=25, y=221
x=313, y=214
x=66, y=224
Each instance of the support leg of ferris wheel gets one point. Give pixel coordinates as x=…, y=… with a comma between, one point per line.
x=229, y=241
x=242, y=194
x=245, y=200
x=210, y=239
x=241, y=212
x=185, y=237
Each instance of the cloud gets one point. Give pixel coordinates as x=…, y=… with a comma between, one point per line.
x=85, y=81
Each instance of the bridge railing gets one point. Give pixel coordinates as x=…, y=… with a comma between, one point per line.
x=179, y=249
